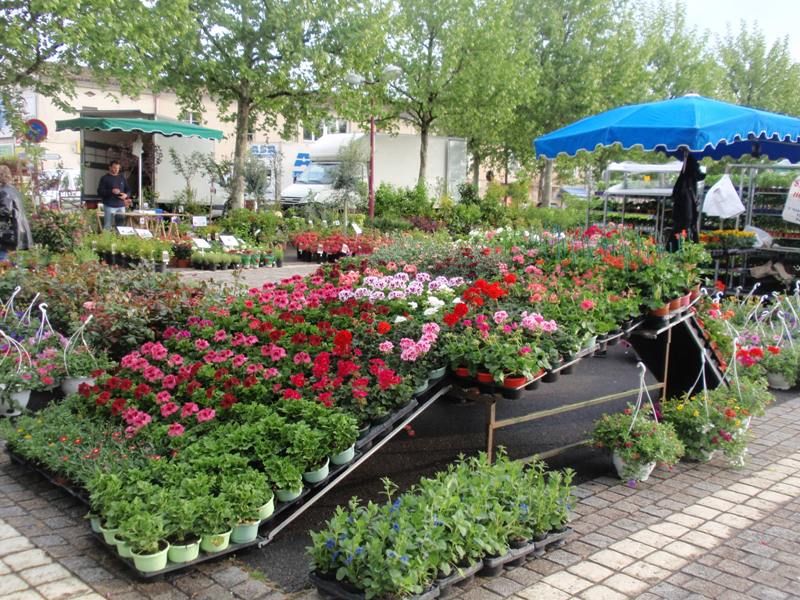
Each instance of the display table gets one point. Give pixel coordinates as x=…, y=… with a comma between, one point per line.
x=161, y=225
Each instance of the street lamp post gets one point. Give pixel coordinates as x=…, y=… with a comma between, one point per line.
x=389, y=73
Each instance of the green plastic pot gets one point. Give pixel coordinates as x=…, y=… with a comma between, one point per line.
x=319, y=474
x=245, y=532
x=182, y=553
x=437, y=373
x=345, y=456
x=108, y=534
x=215, y=542
x=265, y=512
x=94, y=522
x=147, y=563
x=123, y=548
x=288, y=495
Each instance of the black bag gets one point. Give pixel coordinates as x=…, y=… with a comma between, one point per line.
x=8, y=223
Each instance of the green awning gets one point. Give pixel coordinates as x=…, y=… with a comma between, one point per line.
x=167, y=128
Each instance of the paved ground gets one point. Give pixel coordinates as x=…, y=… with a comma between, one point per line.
x=698, y=531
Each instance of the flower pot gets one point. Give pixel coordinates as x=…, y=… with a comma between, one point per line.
x=344, y=457
x=94, y=522
x=437, y=373
x=215, y=542
x=123, y=548
x=674, y=304
x=244, y=533
x=776, y=381
x=421, y=388
x=485, y=377
x=685, y=300
x=182, y=553
x=147, y=563
x=265, y=512
x=641, y=470
x=694, y=294
x=590, y=343
x=550, y=377
x=660, y=313
x=288, y=495
x=462, y=372
x=182, y=263
x=699, y=455
x=19, y=400
x=317, y=475
x=70, y=384
x=108, y=534
x=514, y=381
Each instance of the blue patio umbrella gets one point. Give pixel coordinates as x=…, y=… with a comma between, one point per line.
x=703, y=126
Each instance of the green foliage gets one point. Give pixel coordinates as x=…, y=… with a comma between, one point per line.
x=393, y=202
x=56, y=230
x=254, y=227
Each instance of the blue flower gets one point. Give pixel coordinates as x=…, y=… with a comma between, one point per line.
x=395, y=505
x=359, y=551
x=396, y=526
x=404, y=559
x=437, y=522
x=330, y=543
x=349, y=559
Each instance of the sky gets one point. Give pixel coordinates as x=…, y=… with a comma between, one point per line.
x=775, y=18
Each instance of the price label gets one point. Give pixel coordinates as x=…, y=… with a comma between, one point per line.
x=201, y=243
x=122, y=230
x=345, y=249
x=229, y=241
x=145, y=234
x=356, y=228
x=791, y=210
x=199, y=221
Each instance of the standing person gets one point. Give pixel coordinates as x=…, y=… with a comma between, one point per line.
x=685, y=211
x=15, y=233
x=114, y=192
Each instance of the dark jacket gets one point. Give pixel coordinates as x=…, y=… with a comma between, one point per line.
x=12, y=209
x=684, y=200
x=107, y=183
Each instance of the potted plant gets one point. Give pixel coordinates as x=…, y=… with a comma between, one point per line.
x=215, y=522
x=182, y=253
x=780, y=366
x=144, y=532
x=637, y=442
x=308, y=449
x=285, y=477
x=277, y=253
x=245, y=493
x=79, y=364
x=181, y=516
x=341, y=430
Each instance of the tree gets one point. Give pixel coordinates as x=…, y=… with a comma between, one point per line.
x=46, y=45
x=756, y=74
x=265, y=63
x=444, y=49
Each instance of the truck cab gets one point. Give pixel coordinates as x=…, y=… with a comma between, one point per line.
x=314, y=184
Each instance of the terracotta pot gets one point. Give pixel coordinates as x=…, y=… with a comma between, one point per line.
x=514, y=381
x=462, y=372
x=675, y=304
x=484, y=377
x=685, y=300
x=660, y=312
x=694, y=294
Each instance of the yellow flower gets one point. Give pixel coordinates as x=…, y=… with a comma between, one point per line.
x=28, y=436
x=696, y=413
x=679, y=407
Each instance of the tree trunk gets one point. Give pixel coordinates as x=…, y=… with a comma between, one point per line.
x=423, y=154
x=476, y=170
x=547, y=184
x=240, y=152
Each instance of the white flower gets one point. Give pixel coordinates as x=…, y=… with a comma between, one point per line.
x=413, y=305
x=399, y=319
x=430, y=311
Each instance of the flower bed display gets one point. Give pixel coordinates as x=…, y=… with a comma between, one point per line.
x=259, y=391
x=474, y=515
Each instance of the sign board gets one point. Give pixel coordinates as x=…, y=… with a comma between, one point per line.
x=791, y=210
x=201, y=243
x=263, y=150
x=229, y=241
x=35, y=131
x=199, y=221
x=70, y=194
x=356, y=228
x=145, y=234
x=122, y=230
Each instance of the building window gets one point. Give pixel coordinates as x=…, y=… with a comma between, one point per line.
x=194, y=118
x=324, y=128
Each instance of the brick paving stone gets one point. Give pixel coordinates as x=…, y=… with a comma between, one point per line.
x=611, y=559
x=701, y=511
x=732, y=496
x=670, y=592
x=251, y=589
x=684, y=550
x=601, y=592
x=665, y=560
x=716, y=529
x=668, y=529
x=591, y=571
x=626, y=584
x=524, y=576
x=685, y=520
x=716, y=503
x=739, y=584
x=733, y=521
x=217, y=592
x=543, y=566
x=543, y=591
x=763, y=592
x=26, y=559
x=193, y=583
x=646, y=572
x=62, y=589
x=14, y=544
x=632, y=548
x=567, y=582
x=503, y=586
x=761, y=504
x=480, y=594
x=230, y=576
x=651, y=538
x=563, y=557
x=11, y=583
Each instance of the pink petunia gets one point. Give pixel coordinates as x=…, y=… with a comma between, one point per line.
x=175, y=430
x=188, y=409
x=206, y=415
x=163, y=396
x=168, y=409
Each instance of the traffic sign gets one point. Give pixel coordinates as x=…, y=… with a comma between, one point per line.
x=35, y=131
